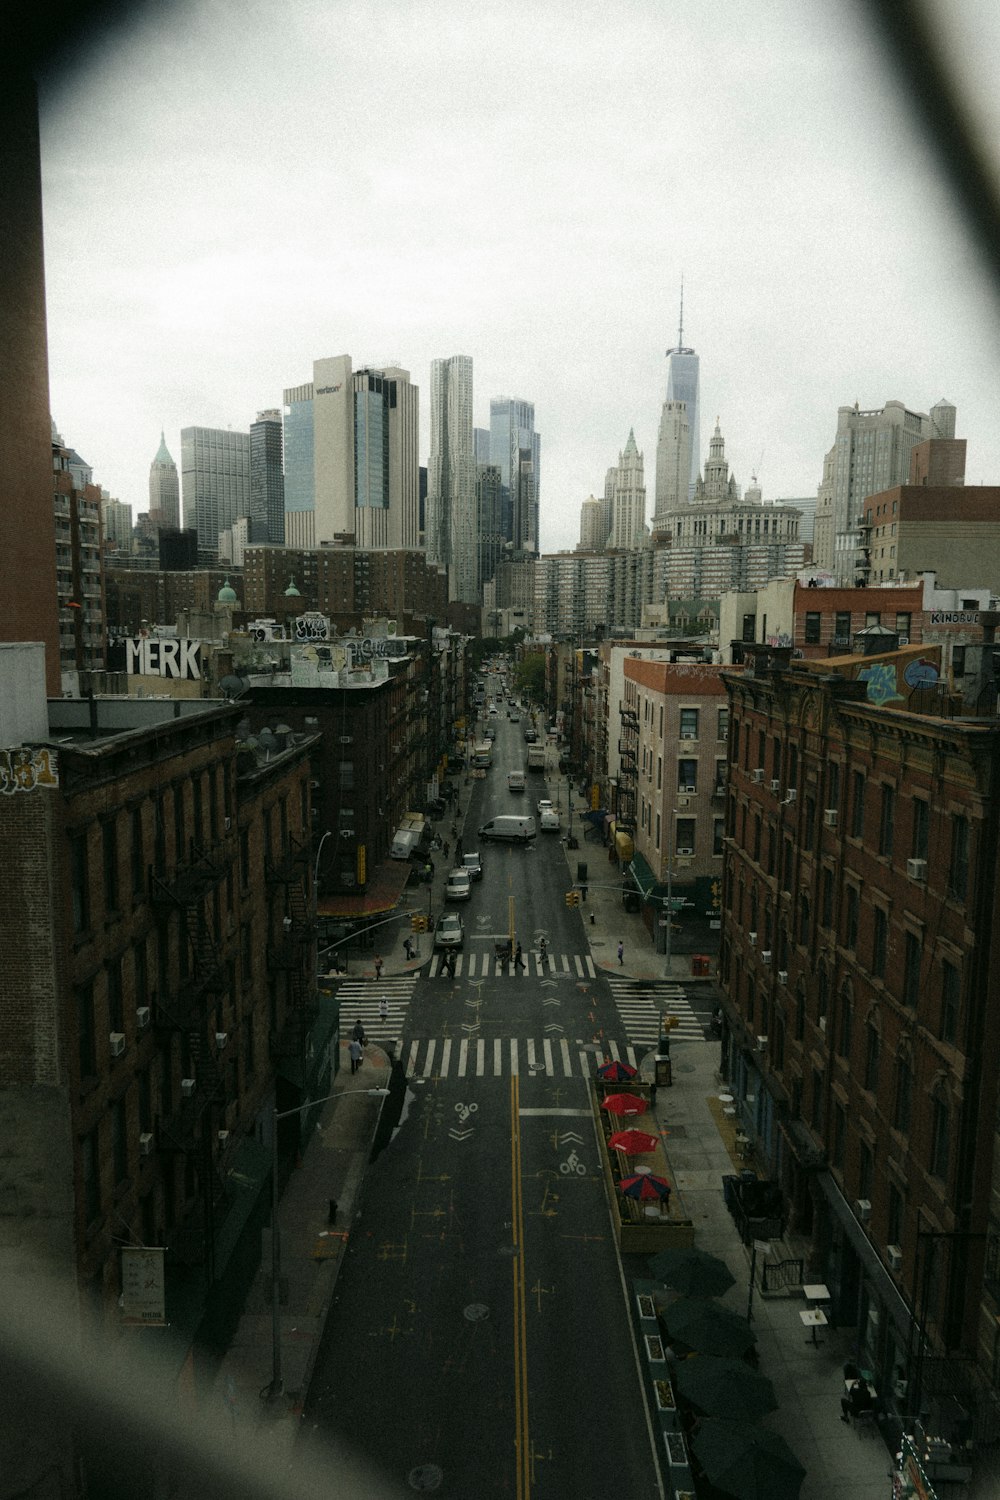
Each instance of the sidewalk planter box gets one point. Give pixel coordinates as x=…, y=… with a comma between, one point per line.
x=646, y=1306
x=664, y=1395
x=654, y=1348
x=639, y=1235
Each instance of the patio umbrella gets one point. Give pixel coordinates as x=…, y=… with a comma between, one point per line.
x=616, y=1071
x=632, y=1142
x=706, y=1328
x=624, y=1104
x=692, y=1272
x=645, y=1186
x=718, y=1387
x=747, y=1461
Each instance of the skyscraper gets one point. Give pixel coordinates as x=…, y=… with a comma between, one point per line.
x=215, y=476
x=515, y=447
x=673, y=461
x=452, y=530
x=267, y=480
x=351, y=457
x=164, y=489
x=871, y=453
x=628, y=499
x=682, y=385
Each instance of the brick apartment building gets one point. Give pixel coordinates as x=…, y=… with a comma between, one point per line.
x=860, y=982
x=914, y=528
x=156, y=994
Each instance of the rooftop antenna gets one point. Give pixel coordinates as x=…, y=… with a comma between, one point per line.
x=680, y=329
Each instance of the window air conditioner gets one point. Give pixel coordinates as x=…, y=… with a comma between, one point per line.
x=790, y=796
x=689, y=734
x=228, y=822
x=830, y=817
x=689, y=789
x=894, y=1256
x=752, y=939
x=682, y=802
x=141, y=1017
x=187, y=1087
x=864, y=1209
x=761, y=1043
x=758, y=775
x=765, y=956
x=916, y=869
x=221, y=1038
x=117, y=1042
x=685, y=853
x=222, y=1137
x=782, y=976
x=904, y=640
x=776, y=784
x=146, y=1143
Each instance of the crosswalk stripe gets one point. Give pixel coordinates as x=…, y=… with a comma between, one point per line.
x=513, y=1056
x=487, y=966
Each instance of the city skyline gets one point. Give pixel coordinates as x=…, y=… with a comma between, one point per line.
x=570, y=294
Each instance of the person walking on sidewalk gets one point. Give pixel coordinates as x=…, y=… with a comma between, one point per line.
x=378, y=966
x=358, y=1034
x=383, y=1009
x=408, y=948
x=621, y=951
x=357, y=1052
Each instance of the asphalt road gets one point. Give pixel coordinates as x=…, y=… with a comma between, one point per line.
x=481, y=1344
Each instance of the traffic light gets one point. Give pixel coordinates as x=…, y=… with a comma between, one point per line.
x=418, y=923
x=572, y=898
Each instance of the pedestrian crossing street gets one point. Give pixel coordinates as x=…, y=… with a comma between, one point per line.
x=488, y=966
x=507, y=1057
x=642, y=1004
x=359, y=1001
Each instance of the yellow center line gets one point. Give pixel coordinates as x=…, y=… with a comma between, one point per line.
x=521, y=1445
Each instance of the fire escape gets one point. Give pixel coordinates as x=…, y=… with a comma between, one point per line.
x=628, y=773
x=187, y=1125
x=292, y=954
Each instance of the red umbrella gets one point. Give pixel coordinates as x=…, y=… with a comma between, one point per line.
x=632, y=1142
x=616, y=1071
x=624, y=1104
x=645, y=1185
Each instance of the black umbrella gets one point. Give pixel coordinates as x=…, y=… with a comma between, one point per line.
x=718, y=1387
x=750, y=1462
x=706, y=1328
x=692, y=1272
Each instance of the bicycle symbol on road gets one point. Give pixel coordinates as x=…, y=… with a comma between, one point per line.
x=572, y=1164
x=465, y=1110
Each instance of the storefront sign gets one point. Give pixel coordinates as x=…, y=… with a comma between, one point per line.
x=143, y=1286
x=954, y=617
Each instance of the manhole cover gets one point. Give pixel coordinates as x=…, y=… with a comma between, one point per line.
x=679, y=1132
x=425, y=1477
x=477, y=1312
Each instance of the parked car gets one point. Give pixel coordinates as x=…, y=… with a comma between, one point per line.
x=549, y=820
x=448, y=931
x=474, y=865
x=544, y=805
x=515, y=718
x=458, y=886
x=530, y=736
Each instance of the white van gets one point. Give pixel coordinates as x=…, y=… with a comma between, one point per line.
x=509, y=826
x=515, y=781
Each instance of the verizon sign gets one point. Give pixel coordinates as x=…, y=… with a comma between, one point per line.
x=166, y=658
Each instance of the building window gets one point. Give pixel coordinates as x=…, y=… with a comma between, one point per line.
x=816, y=1116
x=826, y=898
x=822, y=995
x=866, y=1170
x=793, y=765
x=79, y=881
x=657, y=830
x=958, y=874
x=116, y=1009
x=842, y=627
x=119, y=1140
x=91, y=1176
x=940, y=1135
x=812, y=633
x=245, y=859
x=857, y=804
x=872, y=1047
x=903, y=1094
x=912, y=952
x=833, y=786
x=845, y=1028
x=809, y=824
x=687, y=775
x=803, y=936
x=718, y=834
x=950, y=1000
x=921, y=827
x=685, y=835
x=851, y=907
x=886, y=825
x=903, y=625
x=722, y=724
x=880, y=942
x=756, y=837
x=138, y=856
x=800, y=1012
x=689, y=723
x=85, y=1030
x=872, y=617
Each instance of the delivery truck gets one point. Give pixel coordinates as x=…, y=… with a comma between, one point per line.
x=412, y=837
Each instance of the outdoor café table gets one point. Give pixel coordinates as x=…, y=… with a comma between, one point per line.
x=816, y=1293
x=813, y=1317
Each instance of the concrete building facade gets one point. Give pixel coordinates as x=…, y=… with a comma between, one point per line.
x=215, y=480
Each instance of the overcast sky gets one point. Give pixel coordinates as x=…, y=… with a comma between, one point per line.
x=233, y=189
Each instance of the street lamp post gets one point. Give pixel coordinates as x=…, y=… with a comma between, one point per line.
x=327, y=835
x=275, y=1388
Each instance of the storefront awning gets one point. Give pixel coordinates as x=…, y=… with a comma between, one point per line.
x=888, y=1292
x=386, y=884
x=645, y=880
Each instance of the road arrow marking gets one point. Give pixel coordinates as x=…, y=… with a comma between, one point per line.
x=570, y=1135
x=554, y=1026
